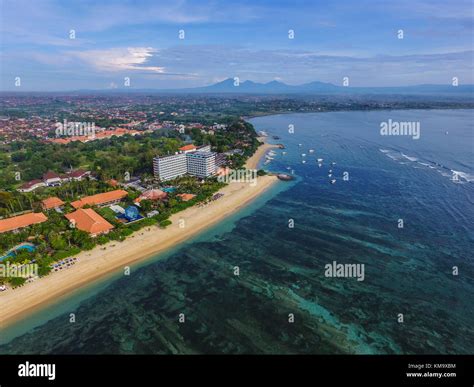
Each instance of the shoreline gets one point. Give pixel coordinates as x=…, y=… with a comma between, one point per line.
x=141, y=245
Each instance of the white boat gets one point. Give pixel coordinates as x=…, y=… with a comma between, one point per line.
x=268, y=157
x=333, y=181
x=263, y=133
x=320, y=161
x=330, y=175
x=303, y=161
x=283, y=153
x=267, y=162
x=333, y=163
x=311, y=151
x=300, y=144
x=303, y=154
x=320, y=165
x=271, y=153
x=330, y=171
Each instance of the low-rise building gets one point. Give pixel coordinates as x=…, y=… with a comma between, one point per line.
x=153, y=194
x=86, y=219
x=102, y=199
x=21, y=221
x=186, y=197
x=52, y=179
x=52, y=202
x=32, y=185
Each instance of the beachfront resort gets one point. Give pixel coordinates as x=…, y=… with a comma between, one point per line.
x=50, y=219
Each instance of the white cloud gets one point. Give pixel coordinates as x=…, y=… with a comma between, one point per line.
x=119, y=59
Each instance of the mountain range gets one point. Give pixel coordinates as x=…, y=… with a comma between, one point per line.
x=276, y=87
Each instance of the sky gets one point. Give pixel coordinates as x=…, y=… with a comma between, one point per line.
x=60, y=45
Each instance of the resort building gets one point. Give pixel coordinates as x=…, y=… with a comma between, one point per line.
x=153, y=194
x=52, y=179
x=77, y=175
x=102, y=199
x=201, y=164
x=170, y=167
x=52, y=202
x=186, y=197
x=31, y=186
x=188, y=148
x=89, y=221
x=21, y=221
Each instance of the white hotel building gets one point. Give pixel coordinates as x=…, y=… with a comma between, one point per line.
x=200, y=163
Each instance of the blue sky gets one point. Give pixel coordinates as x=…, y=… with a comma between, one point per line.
x=249, y=39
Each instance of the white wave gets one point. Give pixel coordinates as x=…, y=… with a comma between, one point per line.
x=410, y=158
x=463, y=175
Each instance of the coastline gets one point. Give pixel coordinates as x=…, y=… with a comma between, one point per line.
x=143, y=244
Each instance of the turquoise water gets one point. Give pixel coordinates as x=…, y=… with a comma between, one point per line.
x=27, y=247
x=408, y=270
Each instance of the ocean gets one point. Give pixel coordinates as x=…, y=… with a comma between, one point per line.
x=401, y=208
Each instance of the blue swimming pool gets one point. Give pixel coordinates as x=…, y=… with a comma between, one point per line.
x=29, y=247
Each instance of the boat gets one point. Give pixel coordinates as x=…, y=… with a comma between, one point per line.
x=267, y=162
x=330, y=171
x=311, y=151
x=333, y=163
x=330, y=175
x=288, y=168
x=303, y=161
x=283, y=153
x=263, y=133
x=285, y=177
x=268, y=157
x=333, y=181
x=272, y=153
x=303, y=154
x=300, y=144
x=320, y=161
x=320, y=165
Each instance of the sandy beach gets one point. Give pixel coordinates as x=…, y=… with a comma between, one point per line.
x=94, y=264
x=252, y=162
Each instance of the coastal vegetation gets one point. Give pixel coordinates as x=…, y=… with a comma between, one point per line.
x=114, y=159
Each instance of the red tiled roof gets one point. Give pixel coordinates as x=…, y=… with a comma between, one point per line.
x=153, y=194
x=186, y=196
x=89, y=221
x=77, y=173
x=101, y=198
x=50, y=175
x=52, y=202
x=187, y=147
x=31, y=184
x=21, y=221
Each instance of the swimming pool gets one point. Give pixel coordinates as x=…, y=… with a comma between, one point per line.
x=25, y=246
